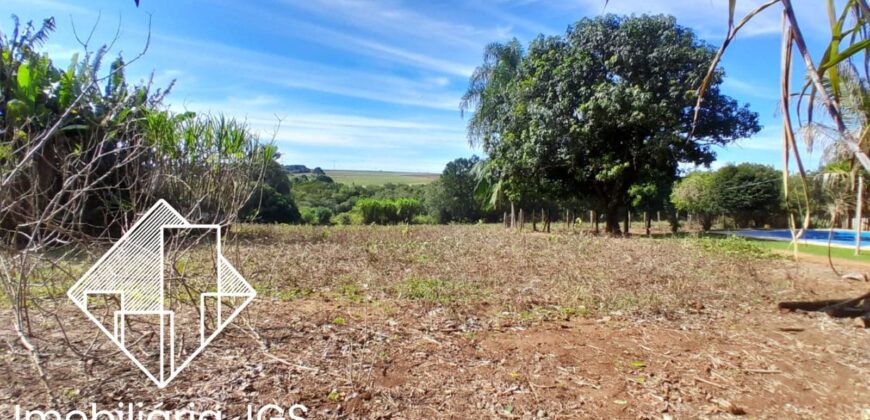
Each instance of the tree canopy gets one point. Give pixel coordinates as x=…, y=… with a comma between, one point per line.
x=749, y=193
x=603, y=109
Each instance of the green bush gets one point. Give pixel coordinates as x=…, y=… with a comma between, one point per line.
x=347, y=219
x=317, y=216
x=407, y=208
x=424, y=219
x=388, y=211
x=270, y=206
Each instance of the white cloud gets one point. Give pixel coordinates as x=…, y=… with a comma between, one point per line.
x=356, y=43
x=745, y=88
x=298, y=127
x=427, y=62
x=389, y=18
x=768, y=139
x=251, y=66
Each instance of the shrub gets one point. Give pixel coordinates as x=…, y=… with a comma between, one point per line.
x=269, y=206
x=407, y=208
x=424, y=219
x=387, y=211
x=317, y=216
x=347, y=218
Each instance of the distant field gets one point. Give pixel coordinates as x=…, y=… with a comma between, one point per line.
x=380, y=177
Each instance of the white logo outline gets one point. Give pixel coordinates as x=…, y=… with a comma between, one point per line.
x=120, y=280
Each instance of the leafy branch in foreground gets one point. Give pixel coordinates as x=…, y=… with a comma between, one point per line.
x=848, y=41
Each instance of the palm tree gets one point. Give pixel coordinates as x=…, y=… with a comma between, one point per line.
x=487, y=97
x=853, y=95
x=838, y=182
x=487, y=89
x=841, y=169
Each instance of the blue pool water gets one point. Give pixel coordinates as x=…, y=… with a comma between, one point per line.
x=840, y=237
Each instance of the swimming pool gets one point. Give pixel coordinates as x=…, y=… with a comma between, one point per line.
x=840, y=238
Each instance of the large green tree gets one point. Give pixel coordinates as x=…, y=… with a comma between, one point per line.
x=453, y=198
x=609, y=106
x=749, y=192
x=696, y=194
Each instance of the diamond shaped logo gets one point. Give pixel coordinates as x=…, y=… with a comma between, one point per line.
x=163, y=292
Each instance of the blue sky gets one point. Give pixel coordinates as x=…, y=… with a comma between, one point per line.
x=375, y=84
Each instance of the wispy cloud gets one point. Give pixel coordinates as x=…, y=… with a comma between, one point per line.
x=253, y=66
x=298, y=127
x=391, y=18
x=356, y=43
x=769, y=139
x=496, y=10
x=420, y=59
x=751, y=89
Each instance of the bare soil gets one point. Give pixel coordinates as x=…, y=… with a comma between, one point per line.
x=477, y=322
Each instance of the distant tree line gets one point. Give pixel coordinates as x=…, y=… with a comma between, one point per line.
x=318, y=200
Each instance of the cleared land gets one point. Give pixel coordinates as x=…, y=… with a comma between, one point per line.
x=368, y=178
x=481, y=322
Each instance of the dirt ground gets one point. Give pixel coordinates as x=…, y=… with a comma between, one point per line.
x=511, y=342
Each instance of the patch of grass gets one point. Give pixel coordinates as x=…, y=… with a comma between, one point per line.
x=288, y=293
x=551, y=313
x=734, y=246
x=351, y=292
x=436, y=290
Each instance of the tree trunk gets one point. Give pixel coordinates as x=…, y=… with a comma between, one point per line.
x=595, y=217
x=513, y=215
x=611, y=221
x=504, y=220
x=546, y=221
x=573, y=221
x=706, y=221
x=647, y=222
x=522, y=222
x=534, y=221
x=627, y=223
